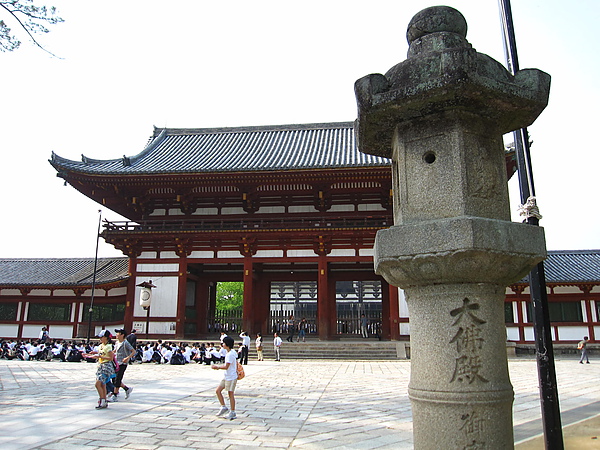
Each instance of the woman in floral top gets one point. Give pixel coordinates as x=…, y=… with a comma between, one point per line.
x=106, y=368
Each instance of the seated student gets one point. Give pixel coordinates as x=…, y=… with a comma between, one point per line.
x=212, y=355
x=157, y=357
x=73, y=354
x=139, y=355
x=177, y=359
x=34, y=352
x=147, y=354
x=167, y=354
x=187, y=352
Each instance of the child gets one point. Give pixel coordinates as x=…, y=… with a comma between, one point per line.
x=106, y=370
x=229, y=380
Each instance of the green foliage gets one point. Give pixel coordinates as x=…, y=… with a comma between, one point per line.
x=230, y=295
x=25, y=15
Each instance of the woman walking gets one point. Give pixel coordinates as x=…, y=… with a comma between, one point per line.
x=106, y=370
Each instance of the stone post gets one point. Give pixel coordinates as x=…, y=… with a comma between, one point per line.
x=440, y=115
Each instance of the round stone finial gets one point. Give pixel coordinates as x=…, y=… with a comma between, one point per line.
x=434, y=20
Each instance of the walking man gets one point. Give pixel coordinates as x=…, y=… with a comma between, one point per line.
x=582, y=346
x=229, y=380
x=277, y=345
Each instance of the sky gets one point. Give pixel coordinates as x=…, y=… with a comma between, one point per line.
x=127, y=66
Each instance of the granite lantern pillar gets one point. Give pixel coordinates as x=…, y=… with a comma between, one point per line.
x=440, y=115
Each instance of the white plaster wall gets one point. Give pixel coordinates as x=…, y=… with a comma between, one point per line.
x=147, y=255
x=158, y=212
x=403, y=312
x=32, y=331
x=271, y=210
x=335, y=208
x=176, y=212
x=597, y=331
x=371, y=207
x=40, y=292
x=9, y=330
x=595, y=289
x=233, y=210
x=269, y=254
x=164, y=298
x=529, y=334
x=572, y=333
x=64, y=293
x=162, y=327
x=366, y=252
x=583, y=311
x=300, y=253
x=512, y=334
x=302, y=208
x=168, y=255
x=594, y=311
x=229, y=254
x=117, y=291
x=11, y=292
x=206, y=212
x=567, y=290
x=342, y=252
x=158, y=268
x=201, y=254
x=60, y=332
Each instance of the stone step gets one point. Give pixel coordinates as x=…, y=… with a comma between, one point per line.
x=365, y=350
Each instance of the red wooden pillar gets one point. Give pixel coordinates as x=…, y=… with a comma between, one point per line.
x=394, y=313
x=130, y=296
x=181, y=296
x=262, y=306
x=386, y=313
x=202, y=306
x=249, y=304
x=326, y=308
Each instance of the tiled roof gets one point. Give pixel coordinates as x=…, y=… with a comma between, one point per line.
x=210, y=150
x=570, y=266
x=61, y=272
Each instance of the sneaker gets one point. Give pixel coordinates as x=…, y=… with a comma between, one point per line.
x=232, y=415
x=128, y=393
x=102, y=404
x=112, y=398
x=109, y=395
x=223, y=410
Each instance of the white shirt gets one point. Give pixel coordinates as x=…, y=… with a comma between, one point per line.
x=231, y=372
x=277, y=341
x=245, y=340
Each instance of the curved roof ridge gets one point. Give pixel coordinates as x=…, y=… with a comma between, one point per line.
x=258, y=128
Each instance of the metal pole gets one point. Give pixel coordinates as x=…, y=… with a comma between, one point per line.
x=537, y=282
x=94, y=278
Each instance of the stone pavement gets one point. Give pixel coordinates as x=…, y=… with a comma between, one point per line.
x=292, y=404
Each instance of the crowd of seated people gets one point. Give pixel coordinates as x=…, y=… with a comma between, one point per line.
x=158, y=352
x=35, y=350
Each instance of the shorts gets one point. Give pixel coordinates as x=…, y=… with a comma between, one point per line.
x=228, y=385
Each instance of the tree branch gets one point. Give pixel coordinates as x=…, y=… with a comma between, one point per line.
x=13, y=14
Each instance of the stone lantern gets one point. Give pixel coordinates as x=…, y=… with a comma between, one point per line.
x=440, y=116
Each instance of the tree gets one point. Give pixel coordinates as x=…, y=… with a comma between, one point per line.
x=26, y=15
x=230, y=295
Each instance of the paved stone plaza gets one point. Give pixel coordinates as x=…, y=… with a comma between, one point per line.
x=292, y=404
